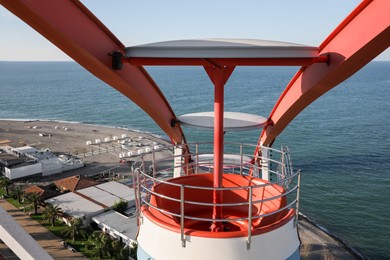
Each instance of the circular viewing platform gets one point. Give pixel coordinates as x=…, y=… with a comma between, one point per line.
x=266, y=208
x=249, y=202
x=233, y=121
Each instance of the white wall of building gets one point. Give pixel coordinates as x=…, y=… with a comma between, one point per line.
x=76, y=206
x=23, y=171
x=51, y=166
x=48, y=163
x=75, y=164
x=118, y=226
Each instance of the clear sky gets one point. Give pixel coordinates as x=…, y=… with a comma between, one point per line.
x=136, y=22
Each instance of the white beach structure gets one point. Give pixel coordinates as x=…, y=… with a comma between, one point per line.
x=76, y=206
x=89, y=202
x=32, y=161
x=118, y=226
x=119, y=190
x=100, y=196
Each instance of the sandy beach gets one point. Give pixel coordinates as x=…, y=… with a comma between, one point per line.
x=72, y=138
x=66, y=137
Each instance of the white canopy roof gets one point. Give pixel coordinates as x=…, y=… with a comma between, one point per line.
x=233, y=121
x=74, y=205
x=123, y=226
x=118, y=189
x=221, y=48
x=100, y=196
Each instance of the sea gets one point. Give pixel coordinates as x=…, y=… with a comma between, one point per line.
x=341, y=142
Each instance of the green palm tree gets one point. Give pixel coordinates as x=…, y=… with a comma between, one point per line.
x=103, y=246
x=17, y=193
x=120, y=206
x=133, y=250
x=35, y=199
x=74, y=229
x=98, y=251
x=117, y=246
x=5, y=183
x=52, y=212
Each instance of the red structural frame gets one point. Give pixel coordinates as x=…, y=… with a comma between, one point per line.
x=68, y=24
x=362, y=36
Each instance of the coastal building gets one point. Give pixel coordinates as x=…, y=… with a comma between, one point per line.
x=28, y=161
x=100, y=196
x=118, y=226
x=88, y=202
x=120, y=190
x=76, y=206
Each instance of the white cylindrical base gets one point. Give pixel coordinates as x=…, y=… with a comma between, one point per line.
x=155, y=242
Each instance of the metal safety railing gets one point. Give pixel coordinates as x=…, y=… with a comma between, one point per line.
x=162, y=166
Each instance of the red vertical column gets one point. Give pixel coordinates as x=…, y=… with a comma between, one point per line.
x=219, y=77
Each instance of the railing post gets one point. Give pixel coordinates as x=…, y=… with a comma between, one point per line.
x=139, y=193
x=249, y=240
x=143, y=164
x=183, y=240
x=154, y=164
x=197, y=157
x=298, y=194
x=283, y=173
x=241, y=158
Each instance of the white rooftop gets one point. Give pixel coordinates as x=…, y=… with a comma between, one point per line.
x=25, y=149
x=125, y=226
x=118, y=189
x=101, y=196
x=233, y=121
x=221, y=48
x=75, y=205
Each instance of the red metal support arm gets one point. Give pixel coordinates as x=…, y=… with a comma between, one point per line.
x=76, y=31
x=362, y=36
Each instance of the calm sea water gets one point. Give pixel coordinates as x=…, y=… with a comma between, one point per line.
x=341, y=142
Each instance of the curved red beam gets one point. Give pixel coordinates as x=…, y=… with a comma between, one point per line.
x=362, y=36
x=76, y=31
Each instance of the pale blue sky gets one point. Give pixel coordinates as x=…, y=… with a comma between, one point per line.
x=136, y=22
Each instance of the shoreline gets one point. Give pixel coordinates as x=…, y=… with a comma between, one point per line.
x=63, y=137
x=27, y=120
x=316, y=240
x=304, y=221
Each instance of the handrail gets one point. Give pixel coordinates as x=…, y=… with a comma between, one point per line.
x=222, y=188
x=182, y=186
x=288, y=206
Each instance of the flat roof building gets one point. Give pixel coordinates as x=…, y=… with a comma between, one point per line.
x=100, y=196
x=27, y=161
x=76, y=206
x=118, y=226
x=118, y=189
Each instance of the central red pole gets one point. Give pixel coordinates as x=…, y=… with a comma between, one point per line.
x=218, y=76
x=218, y=153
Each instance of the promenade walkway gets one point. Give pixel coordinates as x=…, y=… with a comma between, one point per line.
x=48, y=241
